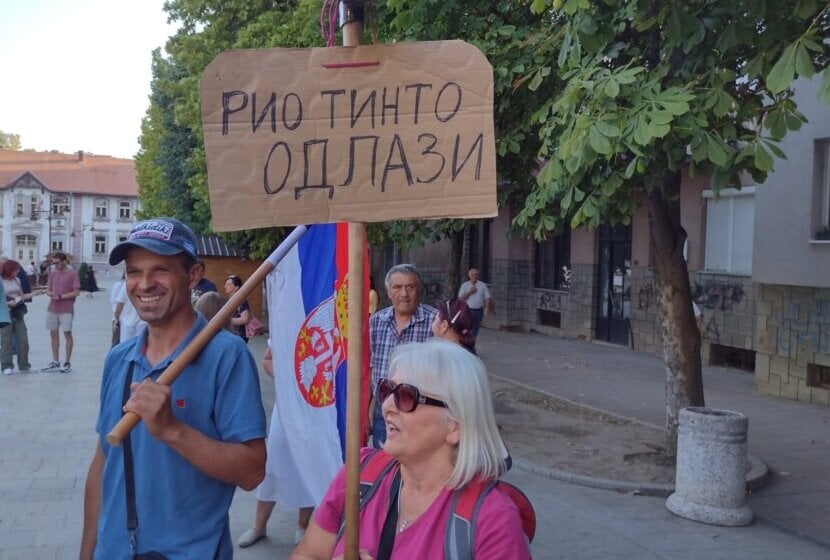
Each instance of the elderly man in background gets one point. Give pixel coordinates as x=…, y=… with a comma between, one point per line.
x=406, y=320
x=477, y=296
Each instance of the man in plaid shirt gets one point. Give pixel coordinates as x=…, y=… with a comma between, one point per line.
x=406, y=320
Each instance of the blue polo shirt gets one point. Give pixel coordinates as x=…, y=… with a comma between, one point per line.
x=182, y=512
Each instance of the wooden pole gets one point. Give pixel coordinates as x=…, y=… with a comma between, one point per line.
x=351, y=18
x=130, y=420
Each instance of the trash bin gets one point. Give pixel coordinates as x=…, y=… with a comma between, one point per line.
x=710, y=482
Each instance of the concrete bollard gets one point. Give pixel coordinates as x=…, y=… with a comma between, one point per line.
x=710, y=482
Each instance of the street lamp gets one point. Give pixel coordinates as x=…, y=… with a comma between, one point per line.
x=92, y=230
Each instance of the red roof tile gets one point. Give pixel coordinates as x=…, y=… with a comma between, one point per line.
x=70, y=173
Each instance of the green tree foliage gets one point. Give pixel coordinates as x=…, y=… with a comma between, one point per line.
x=653, y=87
x=9, y=141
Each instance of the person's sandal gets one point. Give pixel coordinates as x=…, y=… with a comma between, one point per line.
x=250, y=538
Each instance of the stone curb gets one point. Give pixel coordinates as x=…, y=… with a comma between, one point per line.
x=756, y=477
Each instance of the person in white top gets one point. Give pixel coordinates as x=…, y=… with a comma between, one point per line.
x=126, y=316
x=116, y=325
x=477, y=296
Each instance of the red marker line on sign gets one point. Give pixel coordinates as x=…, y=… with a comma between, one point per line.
x=331, y=65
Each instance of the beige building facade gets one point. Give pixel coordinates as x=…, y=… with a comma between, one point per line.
x=81, y=204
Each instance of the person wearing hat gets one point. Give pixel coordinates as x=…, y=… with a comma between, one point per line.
x=197, y=440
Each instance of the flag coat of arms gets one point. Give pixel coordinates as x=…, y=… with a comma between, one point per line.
x=307, y=316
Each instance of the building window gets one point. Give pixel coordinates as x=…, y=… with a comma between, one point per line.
x=101, y=209
x=553, y=262
x=60, y=205
x=823, y=175
x=34, y=205
x=100, y=245
x=19, y=204
x=729, y=230
x=125, y=210
x=57, y=245
x=479, y=247
x=122, y=237
x=25, y=246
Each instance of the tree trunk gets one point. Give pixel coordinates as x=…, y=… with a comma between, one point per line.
x=454, y=266
x=678, y=329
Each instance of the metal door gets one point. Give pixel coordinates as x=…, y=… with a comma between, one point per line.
x=614, y=286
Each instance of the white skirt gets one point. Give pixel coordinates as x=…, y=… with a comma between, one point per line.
x=283, y=482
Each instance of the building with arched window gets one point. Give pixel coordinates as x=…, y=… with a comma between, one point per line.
x=80, y=204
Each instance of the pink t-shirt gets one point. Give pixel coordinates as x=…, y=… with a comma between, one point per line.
x=62, y=282
x=498, y=532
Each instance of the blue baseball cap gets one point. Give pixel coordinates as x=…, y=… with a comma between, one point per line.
x=163, y=236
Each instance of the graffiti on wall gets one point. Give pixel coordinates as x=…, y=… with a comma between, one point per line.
x=548, y=301
x=721, y=296
x=804, y=326
x=711, y=331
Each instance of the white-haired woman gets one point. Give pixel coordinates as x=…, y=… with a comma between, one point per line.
x=442, y=431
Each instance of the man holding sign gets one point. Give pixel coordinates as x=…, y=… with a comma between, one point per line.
x=198, y=440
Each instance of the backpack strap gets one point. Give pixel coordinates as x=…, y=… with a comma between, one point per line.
x=373, y=469
x=459, y=537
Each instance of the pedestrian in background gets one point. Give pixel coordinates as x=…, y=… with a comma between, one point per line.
x=373, y=295
x=209, y=305
x=203, y=285
x=14, y=337
x=62, y=287
x=477, y=296
x=406, y=320
x=91, y=282
x=242, y=314
x=454, y=322
x=126, y=315
x=116, y=323
x=31, y=272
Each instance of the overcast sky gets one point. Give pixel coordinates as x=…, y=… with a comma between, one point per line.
x=76, y=73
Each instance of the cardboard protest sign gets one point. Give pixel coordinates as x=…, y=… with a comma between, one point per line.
x=360, y=134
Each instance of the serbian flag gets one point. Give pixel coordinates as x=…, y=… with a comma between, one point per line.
x=308, y=323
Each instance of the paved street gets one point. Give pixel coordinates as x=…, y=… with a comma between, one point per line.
x=47, y=438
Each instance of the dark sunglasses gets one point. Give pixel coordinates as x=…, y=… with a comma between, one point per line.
x=407, y=397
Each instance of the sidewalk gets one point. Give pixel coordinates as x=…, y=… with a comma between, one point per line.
x=792, y=438
x=47, y=439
